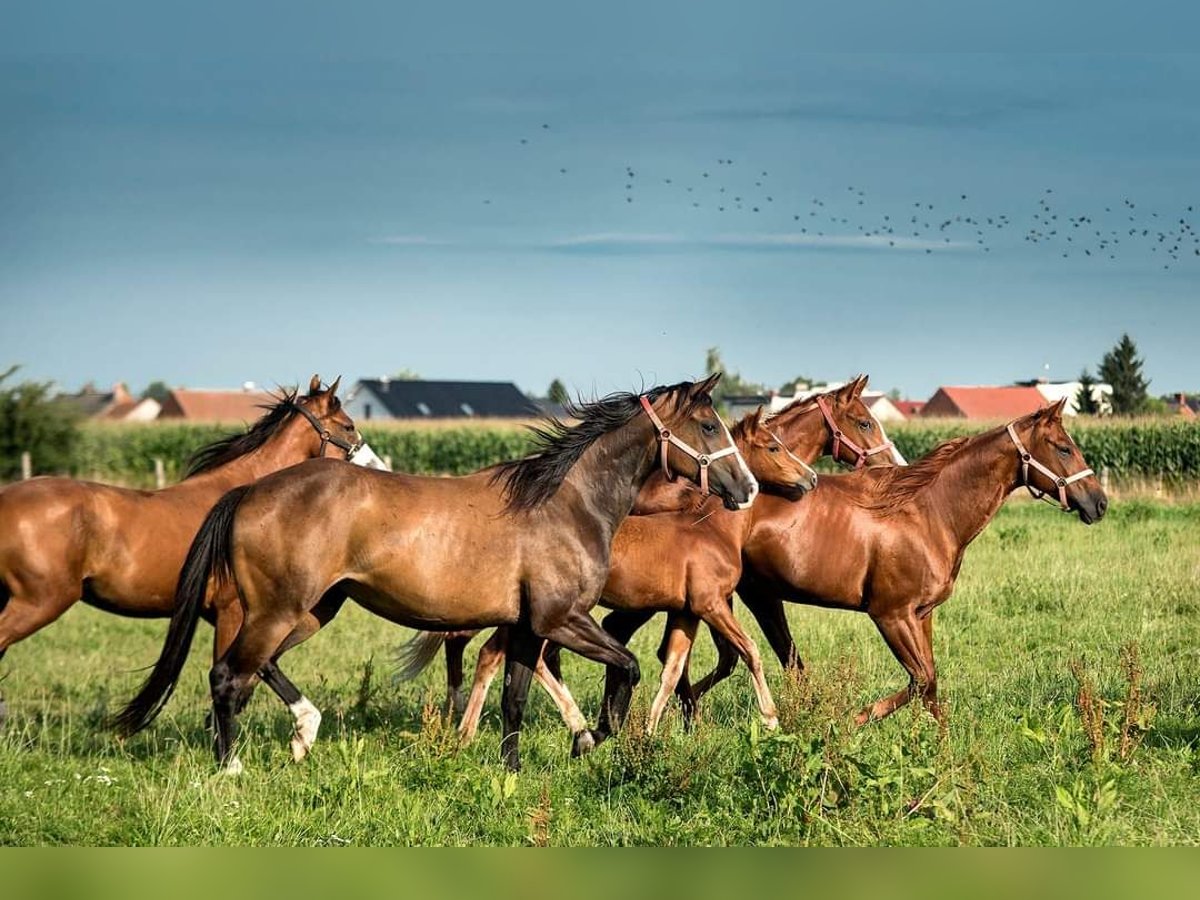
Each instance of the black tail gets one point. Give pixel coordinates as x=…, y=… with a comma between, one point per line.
x=209, y=555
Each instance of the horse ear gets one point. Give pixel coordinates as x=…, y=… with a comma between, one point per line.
x=707, y=385
x=756, y=421
x=860, y=384
x=1056, y=410
x=314, y=385
x=333, y=388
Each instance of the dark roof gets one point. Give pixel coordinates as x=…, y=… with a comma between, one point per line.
x=451, y=399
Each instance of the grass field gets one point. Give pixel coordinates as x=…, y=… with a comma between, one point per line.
x=1043, y=605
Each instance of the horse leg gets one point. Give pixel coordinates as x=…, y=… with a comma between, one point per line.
x=30, y=607
x=771, y=616
x=549, y=675
x=674, y=652
x=491, y=657
x=304, y=711
x=905, y=637
x=727, y=659
x=718, y=613
x=622, y=624
x=524, y=647
x=929, y=696
x=456, y=646
x=579, y=633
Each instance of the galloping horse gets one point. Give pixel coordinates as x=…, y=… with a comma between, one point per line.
x=890, y=542
x=120, y=550
x=650, y=573
x=537, y=534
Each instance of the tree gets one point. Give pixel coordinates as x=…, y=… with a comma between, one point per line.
x=156, y=390
x=1085, y=400
x=789, y=387
x=405, y=375
x=31, y=420
x=557, y=393
x=731, y=383
x=1122, y=368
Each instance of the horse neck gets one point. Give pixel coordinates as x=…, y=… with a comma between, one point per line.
x=611, y=472
x=293, y=443
x=802, y=432
x=973, y=486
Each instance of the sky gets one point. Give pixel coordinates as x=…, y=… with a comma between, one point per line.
x=221, y=193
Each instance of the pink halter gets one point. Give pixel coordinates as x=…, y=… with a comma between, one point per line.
x=840, y=438
x=666, y=438
x=1060, y=481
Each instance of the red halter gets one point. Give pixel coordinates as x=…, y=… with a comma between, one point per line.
x=1061, y=482
x=666, y=438
x=840, y=437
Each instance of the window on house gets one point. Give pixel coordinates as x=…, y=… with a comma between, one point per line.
x=366, y=410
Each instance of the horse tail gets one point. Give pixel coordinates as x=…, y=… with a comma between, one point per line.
x=416, y=654
x=208, y=556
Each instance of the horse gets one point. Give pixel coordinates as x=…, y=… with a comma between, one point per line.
x=537, y=532
x=650, y=575
x=890, y=542
x=120, y=550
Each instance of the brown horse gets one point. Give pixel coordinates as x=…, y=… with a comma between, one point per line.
x=650, y=574
x=536, y=533
x=120, y=550
x=890, y=543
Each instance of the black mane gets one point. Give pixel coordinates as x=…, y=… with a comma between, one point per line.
x=227, y=449
x=531, y=481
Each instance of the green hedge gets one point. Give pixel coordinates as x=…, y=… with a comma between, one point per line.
x=1131, y=448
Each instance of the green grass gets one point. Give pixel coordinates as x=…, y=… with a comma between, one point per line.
x=1038, y=591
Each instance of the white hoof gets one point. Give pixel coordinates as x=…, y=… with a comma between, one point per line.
x=771, y=723
x=308, y=723
x=233, y=768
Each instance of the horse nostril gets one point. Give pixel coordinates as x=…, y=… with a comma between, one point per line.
x=1102, y=505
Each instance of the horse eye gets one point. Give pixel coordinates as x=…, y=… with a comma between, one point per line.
x=774, y=448
x=709, y=428
x=1064, y=451
x=865, y=425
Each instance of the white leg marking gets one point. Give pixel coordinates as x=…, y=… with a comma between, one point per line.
x=233, y=768
x=308, y=722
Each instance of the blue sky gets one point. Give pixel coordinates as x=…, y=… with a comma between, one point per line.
x=225, y=194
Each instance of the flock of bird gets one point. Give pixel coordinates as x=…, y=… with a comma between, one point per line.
x=738, y=191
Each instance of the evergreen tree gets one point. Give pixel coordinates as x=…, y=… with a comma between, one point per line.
x=731, y=383
x=557, y=393
x=1122, y=368
x=1085, y=401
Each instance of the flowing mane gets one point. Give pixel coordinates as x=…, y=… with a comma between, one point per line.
x=531, y=481
x=227, y=449
x=897, y=486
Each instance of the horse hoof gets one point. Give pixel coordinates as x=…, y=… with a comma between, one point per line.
x=771, y=723
x=233, y=768
x=583, y=744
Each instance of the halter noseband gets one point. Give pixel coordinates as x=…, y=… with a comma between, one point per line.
x=1060, y=481
x=666, y=438
x=840, y=438
x=327, y=436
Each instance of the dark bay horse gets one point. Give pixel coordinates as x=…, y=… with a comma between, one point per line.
x=683, y=555
x=890, y=542
x=525, y=544
x=121, y=550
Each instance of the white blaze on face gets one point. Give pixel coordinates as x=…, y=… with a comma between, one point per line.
x=364, y=456
x=737, y=454
x=897, y=456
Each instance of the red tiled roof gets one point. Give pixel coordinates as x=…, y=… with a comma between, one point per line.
x=910, y=408
x=985, y=402
x=215, y=406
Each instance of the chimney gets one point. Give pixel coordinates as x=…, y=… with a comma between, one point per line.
x=384, y=382
x=121, y=393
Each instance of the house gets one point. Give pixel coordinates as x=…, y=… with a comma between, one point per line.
x=1054, y=391
x=116, y=405
x=910, y=408
x=1183, y=406
x=738, y=405
x=381, y=399
x=245, y=405
x=979, y=402
x=882, y=407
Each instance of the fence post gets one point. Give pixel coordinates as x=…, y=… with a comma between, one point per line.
x=160, y=474
x=26, y=466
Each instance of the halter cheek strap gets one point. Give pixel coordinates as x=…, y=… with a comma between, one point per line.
x=666, y=438
x=840, y=437
x=1060, y=481
x=327, y=436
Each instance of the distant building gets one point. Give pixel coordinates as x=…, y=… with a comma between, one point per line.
x=910, y=408
x=116, y=405
x=245, y=405
x=381, y=399
x=1054, y=391
x=979, y=402
x=1183, y=406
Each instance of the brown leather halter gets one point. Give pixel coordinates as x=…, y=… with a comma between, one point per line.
x=328, y=437
x=840, y=438
x=1060, y=481
x=666, y=438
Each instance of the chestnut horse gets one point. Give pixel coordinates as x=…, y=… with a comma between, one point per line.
x=525, y=544
x=120, y=550
x=649, y=573
x=890, y=543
